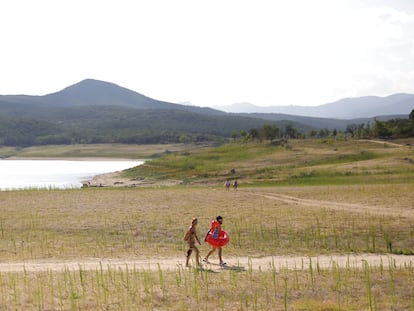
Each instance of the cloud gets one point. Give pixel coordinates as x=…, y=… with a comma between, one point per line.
x=211, y=53
x=373, y=53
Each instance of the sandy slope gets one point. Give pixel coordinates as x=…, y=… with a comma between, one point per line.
x=115, y=180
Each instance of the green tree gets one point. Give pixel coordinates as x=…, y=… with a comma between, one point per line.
x=234, y=135
x=381, y=130
x=291, y=132
x=270, y=132
x=244, y=134
x=254, y=134
x=352, y=129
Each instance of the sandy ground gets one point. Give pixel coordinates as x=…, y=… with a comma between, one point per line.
x=115, y=180
x=276, y=263
x=354, y=207
x=237, y=263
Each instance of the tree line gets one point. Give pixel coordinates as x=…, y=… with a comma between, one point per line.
x=391, y=129
x=27, y=132
x=395, y=128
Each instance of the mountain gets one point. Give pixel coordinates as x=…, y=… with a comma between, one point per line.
x=94, y=111
x=347, y=108
x=91, y=92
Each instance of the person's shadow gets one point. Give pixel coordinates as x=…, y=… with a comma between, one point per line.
x=225, y=267
x=233, y=268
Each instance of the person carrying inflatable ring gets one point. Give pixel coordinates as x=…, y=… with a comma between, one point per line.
x=217, y=238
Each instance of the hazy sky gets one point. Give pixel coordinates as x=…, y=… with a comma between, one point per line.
x=212, y=52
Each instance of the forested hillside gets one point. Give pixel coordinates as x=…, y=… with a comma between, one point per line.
x=99, y=112
x=93, y=112
x=108, y=124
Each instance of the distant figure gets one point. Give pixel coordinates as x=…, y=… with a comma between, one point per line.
x=227, y=185
x=191, y=237
x=235, y=184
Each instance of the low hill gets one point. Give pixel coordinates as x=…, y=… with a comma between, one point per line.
x=346, y=109
x=320, y=123
x=109, y=124
x=300, y=162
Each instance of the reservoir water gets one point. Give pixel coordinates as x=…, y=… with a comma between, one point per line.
x=55, y=174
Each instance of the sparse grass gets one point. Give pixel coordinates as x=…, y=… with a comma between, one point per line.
x=301, y=162
x=319, y=214
x=120, y=151
x=131, y=288
x=123, y=222
x=134, y=223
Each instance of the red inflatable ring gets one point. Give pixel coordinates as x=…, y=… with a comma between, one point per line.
x=222, y=240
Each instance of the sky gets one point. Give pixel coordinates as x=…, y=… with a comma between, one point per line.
x=213, y=52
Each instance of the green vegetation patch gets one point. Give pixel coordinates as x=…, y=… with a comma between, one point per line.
x=301, y=162
x=119, y=151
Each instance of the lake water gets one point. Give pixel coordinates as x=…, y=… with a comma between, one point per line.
x=55, y=174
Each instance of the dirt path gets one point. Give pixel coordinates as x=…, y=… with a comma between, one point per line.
x=352, y=207
x=384, y=142
x=238, y=264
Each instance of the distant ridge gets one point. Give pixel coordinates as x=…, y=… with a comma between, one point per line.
x=94, y=111
x=95, y=92
x=347, y=108
x=90, y=92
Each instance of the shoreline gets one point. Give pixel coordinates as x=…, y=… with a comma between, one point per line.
x=71, y=159
x=110, y=179
x=114, y=179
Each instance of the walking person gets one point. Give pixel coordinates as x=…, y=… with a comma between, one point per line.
x=191, y=237
x=235, y=184
x=215, y=232
x=227, y=185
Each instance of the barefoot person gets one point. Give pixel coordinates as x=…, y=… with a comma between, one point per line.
x=215, y=231
x=191, y=237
